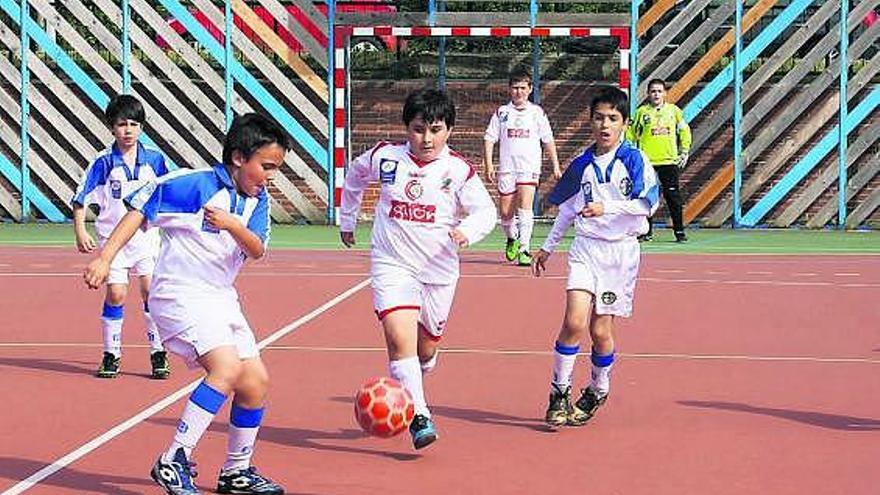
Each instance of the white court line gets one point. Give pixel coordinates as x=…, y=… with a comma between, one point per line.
x=636, y=355
x=131, y=422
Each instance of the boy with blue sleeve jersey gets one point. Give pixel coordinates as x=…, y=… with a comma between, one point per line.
x=212, y=220
x=607, y=193
x=115, y=173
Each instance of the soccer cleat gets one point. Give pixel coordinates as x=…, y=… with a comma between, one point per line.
x=559, y=407
x=645, y=238
x=422, y=431
x=512, y=249
x=585, y=407
x=525, y=259
x=248, y=480
x=175, y=476
x=160, y=365
x=109, y=367
x=681, y=237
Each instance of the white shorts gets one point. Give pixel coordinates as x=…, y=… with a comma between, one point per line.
x=507, y=181
x=395, y=289
x=122, y=266
x=606, y=269
x=193, y=327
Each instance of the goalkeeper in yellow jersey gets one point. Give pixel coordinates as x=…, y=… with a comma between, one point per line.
x=660, y=131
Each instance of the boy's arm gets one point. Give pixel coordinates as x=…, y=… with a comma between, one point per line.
x=97, y=271
x=85, y=243
x=684, y=132
x=554, y=158
x=481, y=216
x=633, y=130
x=360, y=173
x=489, y=139
x=564, y=218
x=248, y=241
x=545, y=132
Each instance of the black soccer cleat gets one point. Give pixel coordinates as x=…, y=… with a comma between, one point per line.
x=109, y=367
x=559, y=407
x=247, y=481
x=585, y=407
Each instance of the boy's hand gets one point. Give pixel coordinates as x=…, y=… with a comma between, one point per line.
x=220, y=219
x=490, y=172
x=682, y=160
x=96, y=273
x=539, y=261
x=85, y=243
x=347, y=238
x=593, y=209
x=459, y=238
x=557, y=172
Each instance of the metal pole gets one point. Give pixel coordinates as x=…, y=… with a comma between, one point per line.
x=634, y=56
x=126, y=48
x=227, y=62
x=24, y=41
x=441, y=52
x=737, y=118
x=842, y=118
x=331, y=112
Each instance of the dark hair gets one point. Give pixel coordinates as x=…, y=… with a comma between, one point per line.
x=614, y=97
x=431, y=104
x=124, y=107
x=519, y=75
x=659, y=81
x=250, y=132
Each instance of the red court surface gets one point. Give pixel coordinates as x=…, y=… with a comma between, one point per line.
x=738, y=374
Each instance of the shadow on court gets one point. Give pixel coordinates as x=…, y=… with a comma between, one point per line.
x=54, y=365
x=306, y=439
x=19, y=469
x=824, y=420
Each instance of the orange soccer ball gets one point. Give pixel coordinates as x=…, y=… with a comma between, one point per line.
x=383, y=407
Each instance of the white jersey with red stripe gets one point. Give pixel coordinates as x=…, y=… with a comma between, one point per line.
x=520, y=132
x=419, y=205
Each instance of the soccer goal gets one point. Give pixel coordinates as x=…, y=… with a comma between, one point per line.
x=341, y=74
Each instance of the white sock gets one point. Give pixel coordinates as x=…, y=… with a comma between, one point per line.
x=111, y=327
x=408, y=372
x=563, y=365
x=600, y=375
x=526, y=225
x=509, y=228
x=244, y=424
x=197, y=415
x=152, y=332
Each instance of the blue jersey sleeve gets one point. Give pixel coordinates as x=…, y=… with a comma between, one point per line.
x=184, y=191
x=259, y=223
x=570, y=182
x=96, y=175
x=644, y=181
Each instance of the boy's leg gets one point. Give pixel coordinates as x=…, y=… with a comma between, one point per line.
x=669, y=178
x=525, y=192
x=160, y=367
x=602, y=359
x=245, y=418
x=565, y=350
x=112, y=316
x=506, y=197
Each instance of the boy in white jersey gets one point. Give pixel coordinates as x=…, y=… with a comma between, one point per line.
x=116, y=172
x=417, y=234
x=521, y=127
x=213, y=219
x=608, y=193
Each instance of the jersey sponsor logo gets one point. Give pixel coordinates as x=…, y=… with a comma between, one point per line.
x=116, y=188
x=387, y=171
x=626, y=186
x=587, y=189
x=608, y=297
x=413, y=190
x=660, y=131
x=412, y=212
x=515, y=133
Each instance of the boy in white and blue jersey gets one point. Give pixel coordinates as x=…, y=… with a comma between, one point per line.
x=212, y=220
x=608, y=193
x=115, y=173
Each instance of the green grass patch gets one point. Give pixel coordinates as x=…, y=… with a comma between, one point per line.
x=702, y=241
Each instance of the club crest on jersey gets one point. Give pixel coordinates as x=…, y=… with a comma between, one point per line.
x=413, y=190
x=587, y=189
x=446, y=185
x=116, y=189
x=646, y=119
x=387, y=171
x=608, y=297
x=207, y=227
x=626, y=186
x=502, y=117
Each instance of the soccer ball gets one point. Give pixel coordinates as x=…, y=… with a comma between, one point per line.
x=383, y=407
